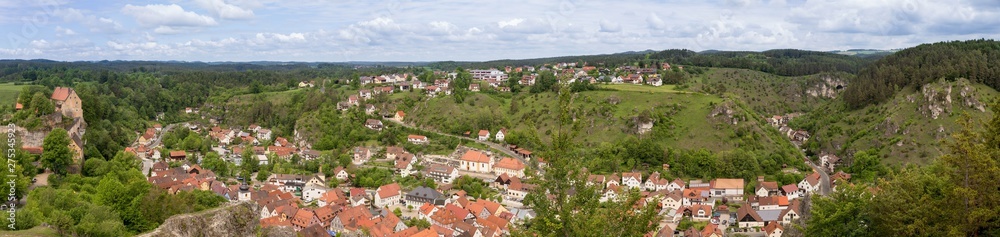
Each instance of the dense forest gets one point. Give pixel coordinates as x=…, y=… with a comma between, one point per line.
x=975, y=60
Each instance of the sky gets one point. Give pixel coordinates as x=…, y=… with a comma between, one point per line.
x=423, y=30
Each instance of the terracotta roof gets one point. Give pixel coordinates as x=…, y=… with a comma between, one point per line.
x=388, y=190
x=789, y=188
x=727, y=184
x=61, y=93
x=274, y=221
x=406, y=233
x=768, y=185
x=510, y=163
x=426, y=233
x=813, y=179
x=484, y=133
x=636, y=176
x=771, y=227
x=416, y=137
x=177, y=153
x=18, y=106
x=475, y=156
x=36, y=150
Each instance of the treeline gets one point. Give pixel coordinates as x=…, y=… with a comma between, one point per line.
x=957, y=195
x=785, y=62
x=975, y=60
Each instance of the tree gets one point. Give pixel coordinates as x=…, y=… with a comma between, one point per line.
x=841, y=214
x=976, y=166
x=41, y=104
x=215, y=163
x=579, y=214
x=262, y=175
x=57, y=156
x=866, y=166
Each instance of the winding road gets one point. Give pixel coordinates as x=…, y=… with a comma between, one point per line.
x=498, y=147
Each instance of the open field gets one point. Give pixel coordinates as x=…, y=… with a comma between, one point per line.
x=9, y=92
x=38, y=231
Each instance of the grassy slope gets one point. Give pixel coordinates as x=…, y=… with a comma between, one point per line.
x=38, y=231
x=692, y=127
x=902, y=130
x=9, y=92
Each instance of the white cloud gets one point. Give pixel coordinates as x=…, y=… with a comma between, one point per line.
x=655, y=22
x=224, y=10
x=94, y=23
x=610, y=27
x=60, y=31
x=155, y=15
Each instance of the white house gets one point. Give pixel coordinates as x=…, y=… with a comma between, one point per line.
x=810, y=184
x=484, y=135
x=676, y=185
x=632, y=180
x=442, y=173
x=500, y=134
x=264, y=134
x=340, y=173
x=730, y=188
x=312, y=192
x=476, y=161
x=388, y=194
x=417, y=139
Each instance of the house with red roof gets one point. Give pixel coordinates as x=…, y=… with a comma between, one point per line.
x=476, y=161
x=510, y=166
x=388, y=194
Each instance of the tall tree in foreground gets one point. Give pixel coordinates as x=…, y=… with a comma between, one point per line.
x=566, y=206
x=975, y=171
x=56, y=156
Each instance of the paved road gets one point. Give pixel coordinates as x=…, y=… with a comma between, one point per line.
x=824, y=178
x=498, y=147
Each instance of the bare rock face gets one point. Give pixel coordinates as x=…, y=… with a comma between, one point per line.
x=240, y=219
x=828, y=88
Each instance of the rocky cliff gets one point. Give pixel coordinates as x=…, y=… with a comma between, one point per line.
x=239, y=219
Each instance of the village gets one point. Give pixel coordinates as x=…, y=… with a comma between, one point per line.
x=308, y=204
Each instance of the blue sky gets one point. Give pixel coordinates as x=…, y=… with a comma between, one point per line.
x=422, y=30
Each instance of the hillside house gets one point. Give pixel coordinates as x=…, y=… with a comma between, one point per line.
x=417, y=139
x=632, y=180
x=373, y=124
x=810, y=184
x=500, y=134
x=484, y=135
x=361, y=155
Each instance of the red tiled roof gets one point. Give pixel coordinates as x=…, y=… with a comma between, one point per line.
x=61, y=93
x=388, y=190
x=510, y=163
x=475, y=156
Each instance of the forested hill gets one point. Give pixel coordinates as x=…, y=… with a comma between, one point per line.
x=785, y=62
x=976, y=60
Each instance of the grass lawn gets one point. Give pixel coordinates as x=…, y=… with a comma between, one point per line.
x=9, y=92
x=37, y=231
x=643, y=88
